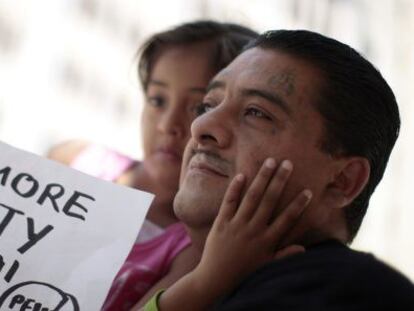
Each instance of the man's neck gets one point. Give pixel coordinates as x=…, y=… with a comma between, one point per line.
x=198, y=237
x=313, y=236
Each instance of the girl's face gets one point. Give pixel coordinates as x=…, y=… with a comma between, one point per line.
x=176, y=87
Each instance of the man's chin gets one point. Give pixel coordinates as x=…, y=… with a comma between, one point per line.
x=196, y=208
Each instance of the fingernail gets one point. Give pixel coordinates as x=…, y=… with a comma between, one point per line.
x=287, y=165
x=239, y=177
x=270, y=163
x=308, y=194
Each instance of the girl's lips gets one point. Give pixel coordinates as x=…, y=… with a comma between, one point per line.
x=168, y=154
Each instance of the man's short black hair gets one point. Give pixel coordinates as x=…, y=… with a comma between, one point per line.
x=360, y=112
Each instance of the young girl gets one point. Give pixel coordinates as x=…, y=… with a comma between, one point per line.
x=174, y=68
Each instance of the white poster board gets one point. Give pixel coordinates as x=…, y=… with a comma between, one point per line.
x=63, y=234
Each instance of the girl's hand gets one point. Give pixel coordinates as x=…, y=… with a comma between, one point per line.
x=245, y=234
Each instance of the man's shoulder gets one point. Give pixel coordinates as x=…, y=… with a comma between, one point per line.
x=337, y=262
x=327, y=276
x=327, y=257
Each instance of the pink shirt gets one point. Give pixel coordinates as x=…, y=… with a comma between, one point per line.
x=147, y=263
x=101, y=162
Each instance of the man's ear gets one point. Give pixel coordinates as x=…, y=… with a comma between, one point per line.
x=352, y=174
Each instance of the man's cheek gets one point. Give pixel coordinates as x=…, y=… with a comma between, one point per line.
x=182, y=174
x=250, y=173
x=184, y=166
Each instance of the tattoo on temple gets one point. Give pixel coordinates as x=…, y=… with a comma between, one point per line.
x=283, y=81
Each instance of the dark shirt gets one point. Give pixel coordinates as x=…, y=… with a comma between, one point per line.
x=328, y=276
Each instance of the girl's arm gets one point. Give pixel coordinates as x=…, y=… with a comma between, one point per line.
x=244, y=236
x=185, y=262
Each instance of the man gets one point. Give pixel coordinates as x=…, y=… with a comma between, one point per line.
x=300, y=96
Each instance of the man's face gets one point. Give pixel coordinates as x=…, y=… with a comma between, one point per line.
x=260, y=106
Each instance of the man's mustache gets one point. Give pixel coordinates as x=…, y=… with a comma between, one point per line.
x=207, y=153
x=212, y=159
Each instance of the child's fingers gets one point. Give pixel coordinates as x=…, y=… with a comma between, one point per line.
x=289, y=251
x=254, y=193
x=231, y=198
x=272, y=194
x=288, y=218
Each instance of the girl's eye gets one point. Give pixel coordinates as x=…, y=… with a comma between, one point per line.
x=257, y=113
x=156, y=101
x=202, y=108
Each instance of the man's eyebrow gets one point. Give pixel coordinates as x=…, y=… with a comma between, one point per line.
x=271, y=97
x=214, y=85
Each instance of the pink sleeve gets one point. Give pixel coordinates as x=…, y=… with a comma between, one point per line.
x=182, y=240
x=101, y=162
x=146, y=264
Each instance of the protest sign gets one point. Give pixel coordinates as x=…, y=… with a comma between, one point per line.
x=63, y=234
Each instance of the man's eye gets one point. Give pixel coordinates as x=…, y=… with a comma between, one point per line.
x=202, y=108
x=156, y=101
x=257, y=113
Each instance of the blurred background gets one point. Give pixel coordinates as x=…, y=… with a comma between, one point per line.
x=67, y=70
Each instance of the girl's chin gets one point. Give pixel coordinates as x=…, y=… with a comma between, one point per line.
x=166, y=175
x=166, y=158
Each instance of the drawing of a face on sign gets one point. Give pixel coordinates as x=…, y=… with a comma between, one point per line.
x=37, y=296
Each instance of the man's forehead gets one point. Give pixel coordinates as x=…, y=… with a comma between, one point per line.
x=272, y=69
x=257, y=61
x=260, y=67
x=250, y=61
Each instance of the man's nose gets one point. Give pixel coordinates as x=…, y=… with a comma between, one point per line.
x=212, y=128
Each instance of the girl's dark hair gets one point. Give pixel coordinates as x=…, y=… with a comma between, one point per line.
x=227, y=40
